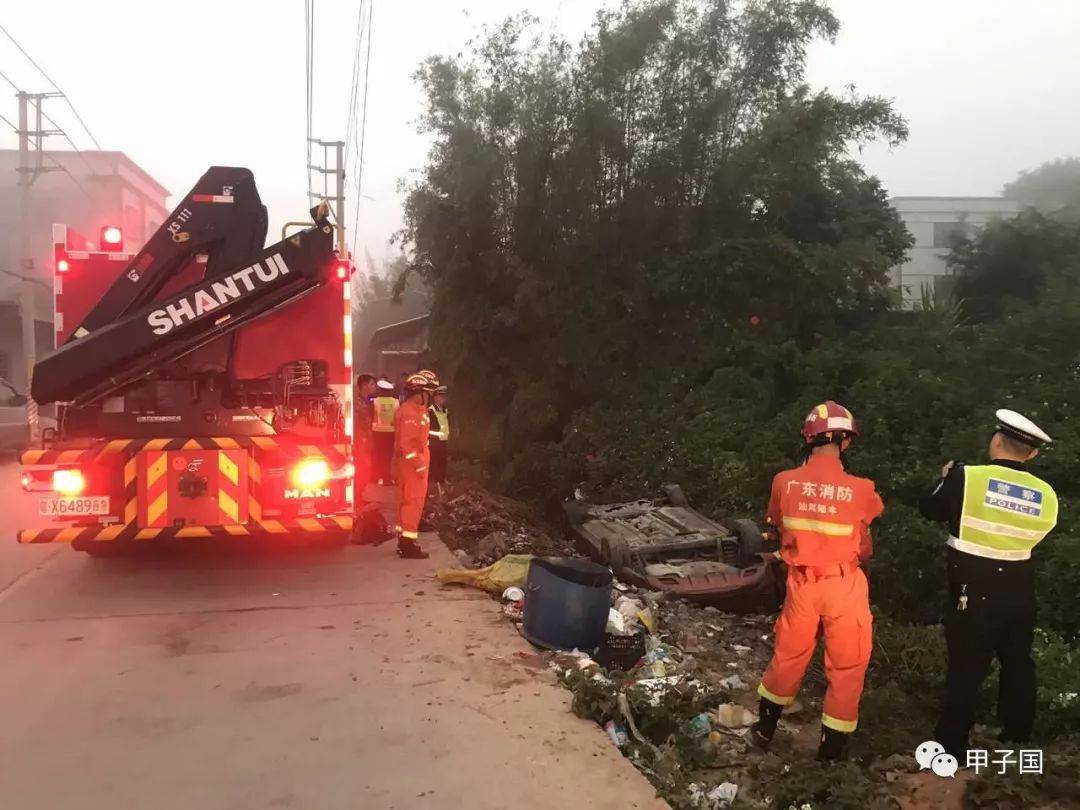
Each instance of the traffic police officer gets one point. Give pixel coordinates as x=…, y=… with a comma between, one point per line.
x=996, y=514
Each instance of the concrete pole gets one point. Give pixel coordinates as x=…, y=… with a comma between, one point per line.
x=26, y=262
x=339, y=174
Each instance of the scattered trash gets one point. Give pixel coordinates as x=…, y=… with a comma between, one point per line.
x=514, y=594
x=723, y=794
x=511, y=570
x=701, y=726
x=616, y=624
x=656, y=688
x=740, y=648
x=617, y=734
x=720, y=796
x=732, y=715
x=470, y=514
x=624, y=706
x=733, y=682
x=792, y=708
x=648, y=619
x=621, y=652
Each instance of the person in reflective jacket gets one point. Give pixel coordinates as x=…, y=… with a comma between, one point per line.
x=996, y=514
x=823, y=516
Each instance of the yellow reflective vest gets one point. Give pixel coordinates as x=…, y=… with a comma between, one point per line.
x=440, y=423
x=1005, y=512
x=385, y=410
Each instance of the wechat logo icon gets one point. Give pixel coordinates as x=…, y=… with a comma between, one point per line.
x=932, y=755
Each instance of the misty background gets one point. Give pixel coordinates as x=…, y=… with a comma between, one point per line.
x=987, y=87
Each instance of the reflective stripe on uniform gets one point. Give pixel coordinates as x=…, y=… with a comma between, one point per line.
x=822, y=526
x=846, y=726
x=410, y=535
x=985, y=551
x=780, y=701
x=1001, y=528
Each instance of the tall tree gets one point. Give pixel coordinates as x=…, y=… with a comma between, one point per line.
x=1053, y=189
x=604, y=220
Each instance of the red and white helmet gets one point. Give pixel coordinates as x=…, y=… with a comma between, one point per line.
x=826, y=419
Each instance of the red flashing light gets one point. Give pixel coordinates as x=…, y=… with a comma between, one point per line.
x=62, y=266
x=341, y=270
x=112, y=238
x=68, y=483
x=310, y=473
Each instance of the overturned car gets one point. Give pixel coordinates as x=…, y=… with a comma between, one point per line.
x=665, y=545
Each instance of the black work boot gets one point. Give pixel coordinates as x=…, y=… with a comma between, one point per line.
x=762, y=732
x=409, y=549
x=833, y=746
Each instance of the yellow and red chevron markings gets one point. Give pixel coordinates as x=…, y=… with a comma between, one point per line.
x=153, y=488
x=232, y=497
x=130, y=532
x=335, y=454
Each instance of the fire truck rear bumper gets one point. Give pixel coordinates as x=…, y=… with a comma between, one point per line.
x=321, y=526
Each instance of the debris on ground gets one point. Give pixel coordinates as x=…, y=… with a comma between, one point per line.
x=485, y=527
x=510, y=571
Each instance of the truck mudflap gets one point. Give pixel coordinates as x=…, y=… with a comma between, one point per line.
x=77, y=535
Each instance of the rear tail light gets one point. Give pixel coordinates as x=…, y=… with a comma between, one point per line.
x=68, y=483
x=310, y=473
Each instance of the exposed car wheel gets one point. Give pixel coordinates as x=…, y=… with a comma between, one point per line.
x=675, y=495
x=615, y=553
x=751, y=541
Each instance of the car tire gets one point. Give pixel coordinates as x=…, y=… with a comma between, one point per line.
x=751, y=541
x=615, y=553
x=675, y=495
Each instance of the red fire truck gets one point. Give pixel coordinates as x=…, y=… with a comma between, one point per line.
x=203, y=382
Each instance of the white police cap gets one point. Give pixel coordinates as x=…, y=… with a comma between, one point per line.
x=385, y=385
x=1021, y=428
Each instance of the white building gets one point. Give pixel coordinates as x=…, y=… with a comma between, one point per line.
x=936, y=223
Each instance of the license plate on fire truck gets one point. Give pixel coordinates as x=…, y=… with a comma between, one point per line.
x=68, y=507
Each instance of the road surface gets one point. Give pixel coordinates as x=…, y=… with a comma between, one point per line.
x=247, y=678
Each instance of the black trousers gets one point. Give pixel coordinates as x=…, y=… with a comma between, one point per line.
x=998, y=620
x=438, y=461
x=382, y=456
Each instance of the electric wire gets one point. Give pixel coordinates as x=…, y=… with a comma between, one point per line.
x=53, y=160
x=56, y=87
x=363, y=126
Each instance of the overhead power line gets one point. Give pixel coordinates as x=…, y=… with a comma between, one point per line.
x=53, y=161
x=59, y=129
x=363, y=126
x=56, y=87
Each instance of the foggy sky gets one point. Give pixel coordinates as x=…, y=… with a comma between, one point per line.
x=989, y=87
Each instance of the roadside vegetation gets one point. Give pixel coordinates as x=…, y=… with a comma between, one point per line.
x=651, y=252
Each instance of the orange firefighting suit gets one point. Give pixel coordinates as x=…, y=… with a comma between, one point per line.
x=413, y=461
x=823, y=515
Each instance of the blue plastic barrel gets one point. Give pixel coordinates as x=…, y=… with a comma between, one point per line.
x=566, y=603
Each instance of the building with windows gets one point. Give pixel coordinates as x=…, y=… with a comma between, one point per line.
x=97, y=189
x=936, y=223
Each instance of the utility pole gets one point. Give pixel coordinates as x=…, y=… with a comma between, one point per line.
x=338, y=198
x=27, y=175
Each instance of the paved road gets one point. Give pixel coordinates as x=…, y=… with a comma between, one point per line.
x=247, y=678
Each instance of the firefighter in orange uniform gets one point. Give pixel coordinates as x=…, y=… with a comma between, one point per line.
x=413, y=462
x=823, y=517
